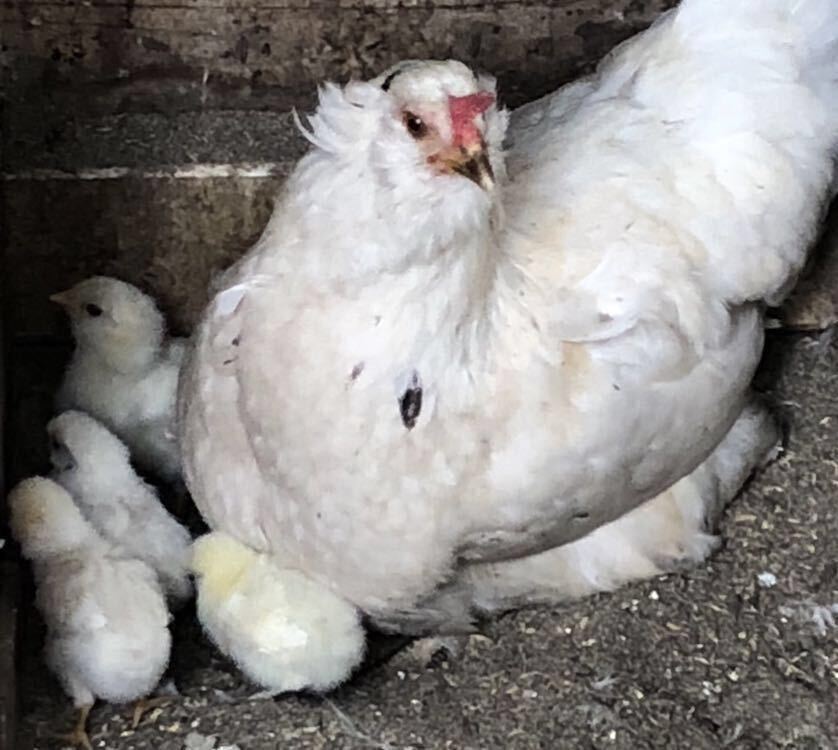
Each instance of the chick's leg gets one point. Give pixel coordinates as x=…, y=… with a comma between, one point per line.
x=265, y=695
x=144, y=705
x=425, y=652
x=78, y=737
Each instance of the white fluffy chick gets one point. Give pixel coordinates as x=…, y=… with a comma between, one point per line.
x=410, y=366
x=284, y=631
x=93, y=465
x=124, y=370
x=106, y=616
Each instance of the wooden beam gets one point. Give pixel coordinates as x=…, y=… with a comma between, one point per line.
x=9, y=601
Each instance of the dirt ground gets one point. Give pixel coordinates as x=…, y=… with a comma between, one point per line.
x=739, y=653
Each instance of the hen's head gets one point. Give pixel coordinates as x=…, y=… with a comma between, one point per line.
x=414, y=153
x=450, y=116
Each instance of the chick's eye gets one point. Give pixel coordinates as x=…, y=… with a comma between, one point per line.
x=415, y=125
x=94, y=311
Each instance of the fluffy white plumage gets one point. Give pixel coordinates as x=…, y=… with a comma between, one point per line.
x=284, y=631
x=583, y=337
x=107, y=622
x=93, y=465
x=670, y=531
x=124, y=370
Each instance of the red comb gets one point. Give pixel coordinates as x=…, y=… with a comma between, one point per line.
x=463, y=110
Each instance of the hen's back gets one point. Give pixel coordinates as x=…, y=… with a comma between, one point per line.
x=701, y=147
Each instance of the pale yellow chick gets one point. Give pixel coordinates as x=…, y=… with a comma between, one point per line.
x=284, y=631
x=106, y=617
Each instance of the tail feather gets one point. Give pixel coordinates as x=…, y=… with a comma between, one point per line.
x=782, y=41
x=751, y=88
x=818, y=22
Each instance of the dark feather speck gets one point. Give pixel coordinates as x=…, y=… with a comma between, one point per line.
x=410, y=404
x=388, y=81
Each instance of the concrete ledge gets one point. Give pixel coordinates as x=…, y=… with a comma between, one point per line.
x=148, y=141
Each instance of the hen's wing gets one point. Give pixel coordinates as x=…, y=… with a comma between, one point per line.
x=651, y=209
x=211, y=429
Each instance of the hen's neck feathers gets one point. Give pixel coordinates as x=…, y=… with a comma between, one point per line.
x=361, y=217
x=433, y=283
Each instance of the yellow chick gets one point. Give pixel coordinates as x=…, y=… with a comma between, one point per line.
x=285, y=631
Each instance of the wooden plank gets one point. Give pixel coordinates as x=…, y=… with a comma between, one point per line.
x=9, y=601
x=327, y=5
x=9, y=578
x=168, y=236
x=211, y=49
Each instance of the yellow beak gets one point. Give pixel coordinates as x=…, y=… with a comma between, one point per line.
x=472, y=162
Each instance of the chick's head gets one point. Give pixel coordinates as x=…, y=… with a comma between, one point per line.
x=114, y=320
x=219, y=561
x=85, y=454
x=45, y=520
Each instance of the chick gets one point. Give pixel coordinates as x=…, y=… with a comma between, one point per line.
x=283, y=630
x=106, y=617
x=93, y=465
x=124, y=370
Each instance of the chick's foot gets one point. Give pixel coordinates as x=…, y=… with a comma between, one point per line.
x=78, y=737
x=142, y=706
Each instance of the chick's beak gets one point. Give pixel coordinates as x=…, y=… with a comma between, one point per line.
x=472, y=162
x=61, y=298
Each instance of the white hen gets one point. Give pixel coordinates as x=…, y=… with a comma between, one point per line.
x=107, y=623
x=93, y=465
x=410, y=368
x=124, y=370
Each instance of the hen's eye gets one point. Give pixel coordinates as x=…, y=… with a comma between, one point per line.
x=94, y=311
x=415, y=125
